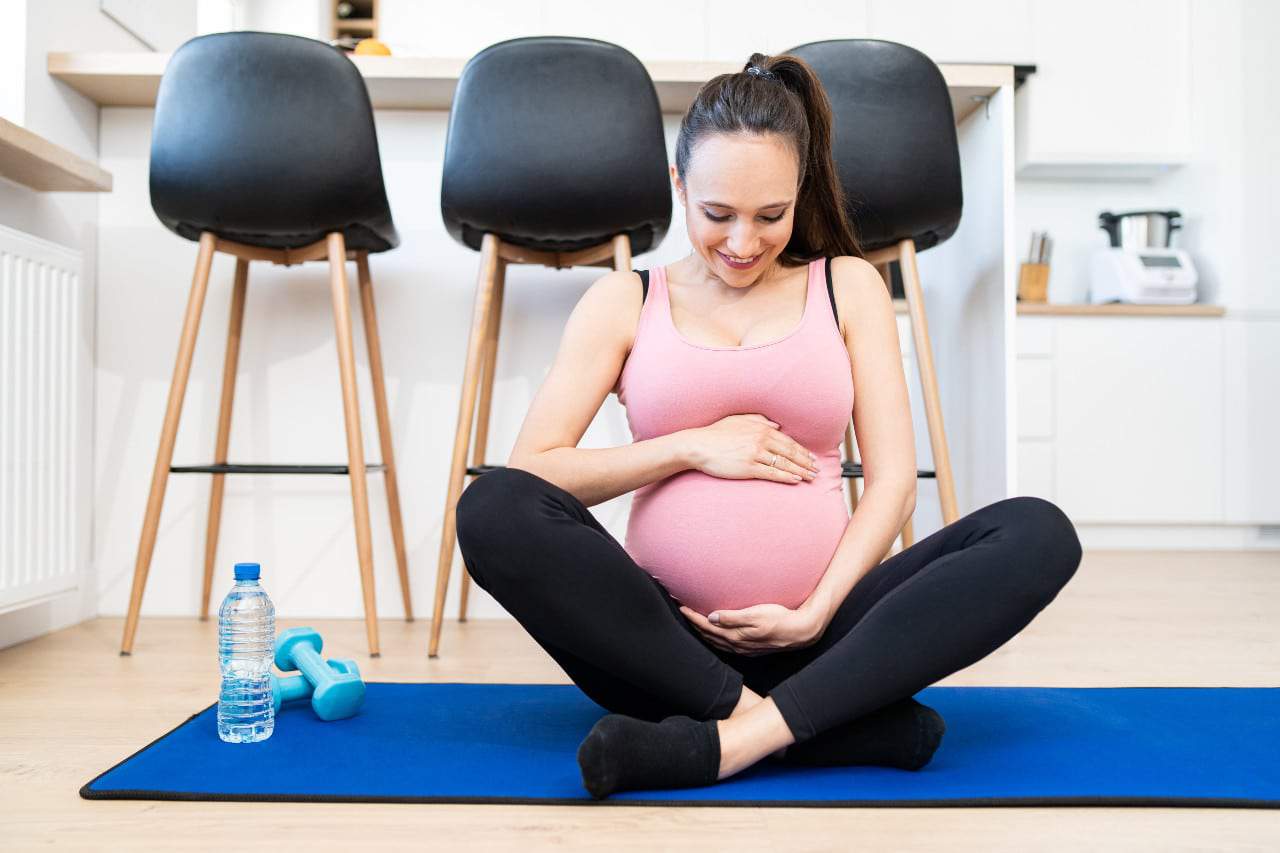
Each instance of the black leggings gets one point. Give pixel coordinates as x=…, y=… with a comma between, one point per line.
x=934, y=608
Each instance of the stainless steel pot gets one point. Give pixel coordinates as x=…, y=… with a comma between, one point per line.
x=1140, y=229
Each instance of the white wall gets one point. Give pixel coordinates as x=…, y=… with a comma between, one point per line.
x=1257, y=288
x=13, y=89
x=49, y=108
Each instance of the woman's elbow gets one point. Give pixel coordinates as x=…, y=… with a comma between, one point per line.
x=909, y=502
x=523, y=458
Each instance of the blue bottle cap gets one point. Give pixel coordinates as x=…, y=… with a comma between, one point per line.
x=248, y=571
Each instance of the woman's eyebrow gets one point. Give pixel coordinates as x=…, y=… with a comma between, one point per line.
x=730, y=207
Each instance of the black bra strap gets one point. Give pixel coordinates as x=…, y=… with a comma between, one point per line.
x=831, y=294
x=644, y=284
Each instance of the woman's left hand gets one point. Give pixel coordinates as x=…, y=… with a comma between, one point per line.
x=759, y=629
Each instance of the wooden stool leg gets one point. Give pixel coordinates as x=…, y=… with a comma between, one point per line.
x=928, y=380
x=622, y=252
x=229, y=366
x=485, y=288
x=168, y=433
x=489, y=366
x=355, y=443
x=384, y=427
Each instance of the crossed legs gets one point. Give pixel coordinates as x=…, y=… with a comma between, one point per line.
x=930, y=610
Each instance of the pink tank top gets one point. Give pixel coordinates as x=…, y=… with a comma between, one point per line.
x=716, y=543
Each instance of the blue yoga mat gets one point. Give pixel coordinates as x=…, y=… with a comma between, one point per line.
x=517, y=743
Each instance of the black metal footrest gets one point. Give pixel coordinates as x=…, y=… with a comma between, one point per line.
x=854, y=469
x=477, y=470
x=228, y=468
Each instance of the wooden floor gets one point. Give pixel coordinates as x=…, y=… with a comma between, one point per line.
x=70, y=708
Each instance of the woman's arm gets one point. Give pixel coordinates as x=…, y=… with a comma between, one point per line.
x=594, y=347
x=882, y=425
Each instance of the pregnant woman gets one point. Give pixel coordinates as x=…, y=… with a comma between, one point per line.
x=748, y=615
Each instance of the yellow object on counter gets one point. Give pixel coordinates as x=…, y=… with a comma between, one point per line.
x=372, y=47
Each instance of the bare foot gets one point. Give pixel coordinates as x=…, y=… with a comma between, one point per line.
x=749, y=699
x=748, y=737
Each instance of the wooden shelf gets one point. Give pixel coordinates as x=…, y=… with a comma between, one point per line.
x=364, y=22
x=428, y=83
x=1120, y=309
x=34, y=161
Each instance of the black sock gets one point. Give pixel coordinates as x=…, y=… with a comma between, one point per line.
x=903, y=734
x=622, y=753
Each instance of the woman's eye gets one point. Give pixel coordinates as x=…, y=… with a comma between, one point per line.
x=727, y=218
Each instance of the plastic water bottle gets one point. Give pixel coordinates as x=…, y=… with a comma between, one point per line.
x=246, y=645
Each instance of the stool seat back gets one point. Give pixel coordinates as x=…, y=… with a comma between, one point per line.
x=267, y=139
x=556, y=144
x=894, y=139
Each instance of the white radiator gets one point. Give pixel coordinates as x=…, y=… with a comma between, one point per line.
x=44, y=364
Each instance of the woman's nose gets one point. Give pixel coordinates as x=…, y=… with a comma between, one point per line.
x=742, y=242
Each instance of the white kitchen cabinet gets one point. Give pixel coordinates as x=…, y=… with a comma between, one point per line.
x=1138, y=421
x=1035, y=468
x=1120, y=419
x=1251, y=470
x=996, y=31
x=1111, y=94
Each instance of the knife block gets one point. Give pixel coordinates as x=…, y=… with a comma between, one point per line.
x=1033, y=283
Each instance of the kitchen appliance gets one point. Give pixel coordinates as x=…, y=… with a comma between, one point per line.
x=1140, y=266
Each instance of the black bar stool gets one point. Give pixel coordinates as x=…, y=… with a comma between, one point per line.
x=898, y=157
x=555, y=156
x=264, y=148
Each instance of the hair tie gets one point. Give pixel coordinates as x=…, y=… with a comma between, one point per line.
x=761, y=72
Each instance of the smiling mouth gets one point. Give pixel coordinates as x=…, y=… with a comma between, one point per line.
x=738, y=263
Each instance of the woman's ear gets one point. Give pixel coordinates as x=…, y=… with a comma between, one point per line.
x=677, y=183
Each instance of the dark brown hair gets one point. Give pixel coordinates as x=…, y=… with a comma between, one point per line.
x=782, y=95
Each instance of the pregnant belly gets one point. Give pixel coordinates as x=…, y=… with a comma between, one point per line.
x=719, y=544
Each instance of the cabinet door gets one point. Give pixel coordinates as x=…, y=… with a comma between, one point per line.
x=737, y=28
x=1035, y=469
x=1112, y=84
x=1139, y=419
x=996, y=31
x=1252, y=379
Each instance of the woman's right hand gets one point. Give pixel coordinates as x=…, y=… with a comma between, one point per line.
x=740, y=447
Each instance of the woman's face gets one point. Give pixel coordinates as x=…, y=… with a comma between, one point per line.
x=739, y=202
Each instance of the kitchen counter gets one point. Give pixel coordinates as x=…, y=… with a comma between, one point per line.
x=427, y=83
x=1119, y=308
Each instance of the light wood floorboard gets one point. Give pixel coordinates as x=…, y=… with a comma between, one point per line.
x=70, y=707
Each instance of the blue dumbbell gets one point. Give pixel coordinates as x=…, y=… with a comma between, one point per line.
x=297, y=687
x=338, y=689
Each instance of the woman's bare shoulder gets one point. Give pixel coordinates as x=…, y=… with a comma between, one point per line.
x=860, y=292
x=608, y=314
x=613, y=304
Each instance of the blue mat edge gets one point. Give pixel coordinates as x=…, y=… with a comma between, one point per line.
x=87, y=793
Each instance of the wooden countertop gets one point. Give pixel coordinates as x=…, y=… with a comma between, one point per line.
x=1119, y=308
x=34, y=161
x=427, y=83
